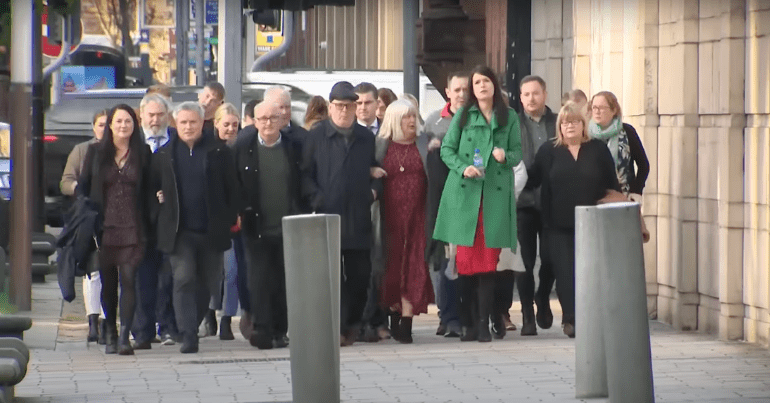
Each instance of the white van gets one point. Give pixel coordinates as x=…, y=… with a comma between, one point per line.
x=320, y=82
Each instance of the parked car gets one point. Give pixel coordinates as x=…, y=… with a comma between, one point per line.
x=69, y=123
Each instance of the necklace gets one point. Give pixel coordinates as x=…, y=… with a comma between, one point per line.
x=121, y=162
x=403, y=158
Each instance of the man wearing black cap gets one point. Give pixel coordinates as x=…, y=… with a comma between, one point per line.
x=337, y=159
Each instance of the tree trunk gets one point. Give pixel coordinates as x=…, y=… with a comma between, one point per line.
x=125, y=27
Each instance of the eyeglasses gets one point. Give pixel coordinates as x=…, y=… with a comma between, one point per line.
x=568, y=123
x=343, y=106
x=272, y=119
x=600, y=108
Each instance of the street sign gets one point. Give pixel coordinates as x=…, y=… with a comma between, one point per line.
x=144, y=36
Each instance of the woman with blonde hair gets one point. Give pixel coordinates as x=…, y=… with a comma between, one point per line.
x=226, y=119
x=574, y=170
x=406, y=288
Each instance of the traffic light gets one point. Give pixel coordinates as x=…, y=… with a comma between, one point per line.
x=64, y=21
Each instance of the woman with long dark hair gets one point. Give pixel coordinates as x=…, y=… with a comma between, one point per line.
x=478, y=208
x=115, y=176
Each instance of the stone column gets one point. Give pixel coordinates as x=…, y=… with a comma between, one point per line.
x=721, y=72
x=677, y=148
x=756, y=273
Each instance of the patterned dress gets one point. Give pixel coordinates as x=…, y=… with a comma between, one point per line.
x=121, y=244
x=403, y=210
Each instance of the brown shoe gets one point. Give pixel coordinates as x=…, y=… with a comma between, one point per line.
x=507, y=322
x=245, y=325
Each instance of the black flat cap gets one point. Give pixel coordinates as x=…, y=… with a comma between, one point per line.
x=343, y=91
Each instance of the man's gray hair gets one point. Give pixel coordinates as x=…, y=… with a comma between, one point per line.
x=189, y=106
x=157, y=98
x=278, y=91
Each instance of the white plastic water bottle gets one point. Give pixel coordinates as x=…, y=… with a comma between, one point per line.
x=478, y=162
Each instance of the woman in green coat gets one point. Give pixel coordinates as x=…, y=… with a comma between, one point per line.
x=478, y=210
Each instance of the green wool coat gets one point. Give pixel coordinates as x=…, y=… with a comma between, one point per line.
x=458, y=212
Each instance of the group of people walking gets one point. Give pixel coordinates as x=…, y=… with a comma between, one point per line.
x=440, y=210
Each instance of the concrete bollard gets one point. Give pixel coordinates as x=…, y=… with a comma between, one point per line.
x=590, y=360
x=311, y=245
x=624, y=346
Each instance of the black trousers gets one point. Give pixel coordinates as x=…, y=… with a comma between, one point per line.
x=530, y=228
x=197, y=273
x=356, y=270
x=504, y=283
x=476, y=297
x=562, y=249
x=267, y=285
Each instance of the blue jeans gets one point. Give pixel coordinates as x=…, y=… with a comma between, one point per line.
x=227, y=299
x=448, y=300
x=242, y=281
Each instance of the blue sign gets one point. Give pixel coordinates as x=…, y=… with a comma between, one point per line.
x=211, y=9
x=144, y=36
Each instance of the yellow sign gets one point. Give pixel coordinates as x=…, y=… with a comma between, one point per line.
x=5, y=141
x=269, y=38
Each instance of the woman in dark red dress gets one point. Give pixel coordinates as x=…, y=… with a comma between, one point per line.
x=114, y=176
x=406, y=288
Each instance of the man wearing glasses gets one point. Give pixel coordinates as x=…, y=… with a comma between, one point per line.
x=268, y=172
x=338, y=156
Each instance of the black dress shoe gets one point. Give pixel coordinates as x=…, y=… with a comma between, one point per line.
x=281, y=342
x=452, y=333
x=189, y=344
x=144, y=345
x=261, y=340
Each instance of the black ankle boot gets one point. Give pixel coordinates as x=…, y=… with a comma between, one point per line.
x=483, y=329
x=211, y=322
x=102, y=332
x=498, y=326
x=93, y=327
x=405, y=330
x=469, y=334
x=189, y=343
x=110, y=339
x=395, y=326
x=528, y=328
x=225, y=331
x=124, y=344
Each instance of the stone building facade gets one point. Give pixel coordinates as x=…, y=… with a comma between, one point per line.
x=693, y=77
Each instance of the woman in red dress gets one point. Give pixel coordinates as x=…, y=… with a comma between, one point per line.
x=406, y=288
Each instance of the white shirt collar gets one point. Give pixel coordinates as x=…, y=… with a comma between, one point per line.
x=262, y=142
x=372, y=127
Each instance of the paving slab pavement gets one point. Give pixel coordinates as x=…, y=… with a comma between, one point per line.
x=687, y=367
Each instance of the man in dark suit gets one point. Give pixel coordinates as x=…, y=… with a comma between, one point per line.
x=153, y=276
x=338, y=156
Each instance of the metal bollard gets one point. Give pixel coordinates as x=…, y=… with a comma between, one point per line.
x=624, y=347
x=590, y=359
x=311, y=245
